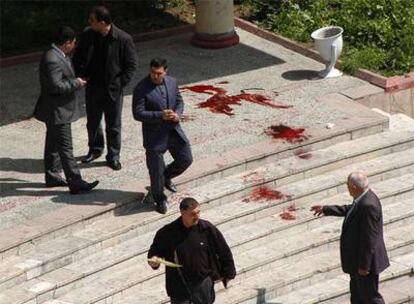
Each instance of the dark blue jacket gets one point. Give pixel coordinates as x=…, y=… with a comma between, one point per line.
x=147, y=107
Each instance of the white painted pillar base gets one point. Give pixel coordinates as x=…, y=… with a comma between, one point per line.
x=215, y=24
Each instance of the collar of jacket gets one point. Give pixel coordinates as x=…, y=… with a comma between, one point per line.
x=114, y=31
x=202, y=224
x=361, y=196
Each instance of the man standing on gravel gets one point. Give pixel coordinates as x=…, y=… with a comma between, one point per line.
x=363, y=253
x=200, y=248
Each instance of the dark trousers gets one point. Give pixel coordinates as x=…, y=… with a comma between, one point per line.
x=202, y=293
x=181, y=153
x=59, y=153
x=364, y=290
x=98, y=104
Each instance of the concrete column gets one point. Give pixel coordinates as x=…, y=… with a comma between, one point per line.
x=214, y=24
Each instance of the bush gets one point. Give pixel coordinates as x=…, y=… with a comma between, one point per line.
x=378, y=34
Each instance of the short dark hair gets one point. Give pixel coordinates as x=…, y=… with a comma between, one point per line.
x=63, y=34
x=101, y=13
x=158, y=62
x=188, y=203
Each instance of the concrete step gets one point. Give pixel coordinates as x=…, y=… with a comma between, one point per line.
x=282, y=276
x=336, y=290
x=298, y=247
x=60, y=245
x=45, y=256
x=396, y=291
x=49, y=220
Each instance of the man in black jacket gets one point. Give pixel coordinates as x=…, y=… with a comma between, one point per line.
x=106, y=57
x=58, y=106
x=200, y=248
x=363, y=252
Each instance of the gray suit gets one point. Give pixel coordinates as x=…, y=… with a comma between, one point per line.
x=58, y=106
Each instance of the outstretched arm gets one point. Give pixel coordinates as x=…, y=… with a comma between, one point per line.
x=334, y=210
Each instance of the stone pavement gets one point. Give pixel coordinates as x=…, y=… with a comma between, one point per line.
x=41, y=229
x=255, y=63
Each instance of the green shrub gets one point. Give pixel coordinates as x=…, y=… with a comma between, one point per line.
x=378, y=34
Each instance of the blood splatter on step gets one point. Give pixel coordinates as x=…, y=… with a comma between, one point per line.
x=262, y=100
x=264, y=193
x=286, y=133
x=292, y=207
x=206, y=89
x=287, y=216
x=303, y=154
x=252, y=177
x=223, y=82
x=222, y=103
x=289, y=213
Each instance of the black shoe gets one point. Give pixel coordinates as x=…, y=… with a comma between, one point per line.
x=114, y=164
x=170, y=185
x=56, y=183
x=91, y=156
x=82, y=186
x=162, y=207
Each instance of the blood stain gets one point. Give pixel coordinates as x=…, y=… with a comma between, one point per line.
x=289, y=213
x=252, y=177
x=222, y=103
x=288, y=216
x=207, y=89
x=264, y=193
x=287, y=133
x=302, y=153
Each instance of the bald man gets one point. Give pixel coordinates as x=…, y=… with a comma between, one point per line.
x=363, y=253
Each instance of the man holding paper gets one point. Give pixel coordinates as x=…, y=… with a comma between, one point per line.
x=195, y=253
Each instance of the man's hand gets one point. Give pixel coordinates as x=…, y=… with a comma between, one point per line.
x=317, y=210
x=170, y=115
x=363, y=272
x=176, y=118
x=81, y=81
x=226, y=282
x=154, y=262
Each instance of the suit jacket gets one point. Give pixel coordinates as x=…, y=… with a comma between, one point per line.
x=362, y=240
x=147, y=107
x=121, y=60
x=58, y=102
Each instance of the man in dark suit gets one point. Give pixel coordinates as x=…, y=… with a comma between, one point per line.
x=158, y=104
x=363, y=252
x=106, y=57
x=58, y=107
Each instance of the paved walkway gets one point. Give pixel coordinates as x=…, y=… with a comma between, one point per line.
x=295, y=98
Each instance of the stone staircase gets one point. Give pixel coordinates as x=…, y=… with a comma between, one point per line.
x=283, y=253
